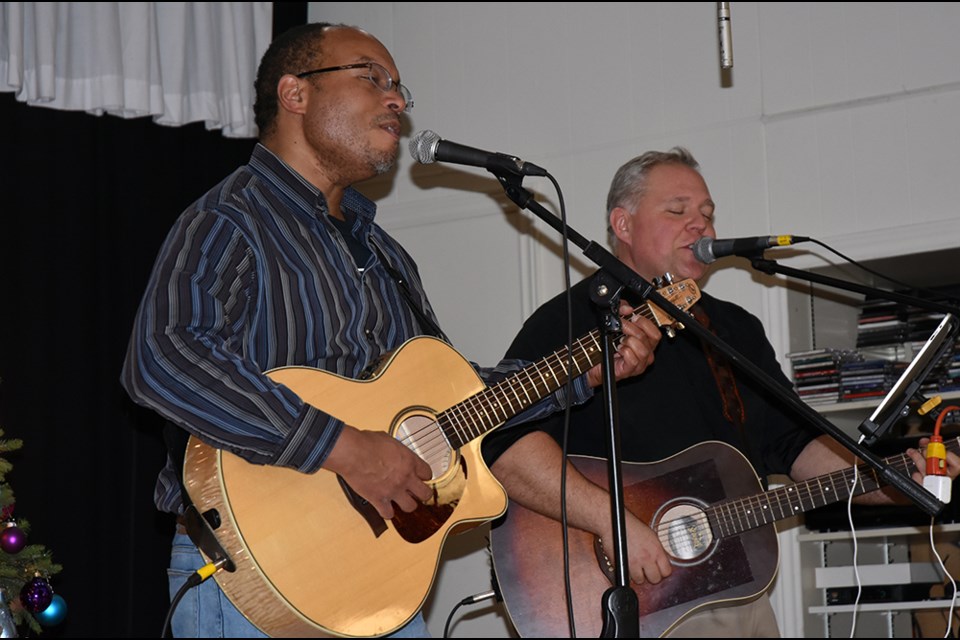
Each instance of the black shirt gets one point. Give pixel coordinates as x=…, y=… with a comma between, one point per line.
x=675, y=403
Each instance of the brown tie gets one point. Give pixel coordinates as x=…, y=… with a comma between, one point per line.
x=723, y=373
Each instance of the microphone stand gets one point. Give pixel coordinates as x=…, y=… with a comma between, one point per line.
x=635, y=283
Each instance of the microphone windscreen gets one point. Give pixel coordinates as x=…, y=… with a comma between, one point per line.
x=423, y=146
x=703, y=250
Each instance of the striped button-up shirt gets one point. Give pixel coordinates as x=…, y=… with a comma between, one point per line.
x=255, y=276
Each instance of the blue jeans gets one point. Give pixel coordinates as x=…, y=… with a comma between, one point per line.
x=206, y=612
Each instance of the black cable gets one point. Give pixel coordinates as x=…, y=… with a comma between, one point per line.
x=934, y=294
x=564, y=445
x=478, y=597
x=193, y=580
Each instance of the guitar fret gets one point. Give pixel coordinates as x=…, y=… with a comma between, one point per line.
x=804, y=496
x=546, y=382
x=748, y=511
x=524, y=388
x=457, y=419
x=721, y=522
x=479, y=415
x=762, y=511
x=819, y=485
x=775, y=501
x=736, y=516
x=475, y=415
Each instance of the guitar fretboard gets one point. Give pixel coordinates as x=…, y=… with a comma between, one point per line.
x=735, y=516
x=493, y=406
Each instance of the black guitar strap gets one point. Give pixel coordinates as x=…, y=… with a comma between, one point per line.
x=425, y=322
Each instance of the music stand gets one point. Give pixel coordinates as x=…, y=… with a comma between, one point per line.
x=893, y=405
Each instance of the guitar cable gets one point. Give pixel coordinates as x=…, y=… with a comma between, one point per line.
x=474, y=599
x=193, y=580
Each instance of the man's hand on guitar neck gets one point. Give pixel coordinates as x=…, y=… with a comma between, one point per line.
x=381, y=470
x=635, y=352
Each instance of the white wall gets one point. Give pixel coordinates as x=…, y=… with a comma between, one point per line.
x=838, y=121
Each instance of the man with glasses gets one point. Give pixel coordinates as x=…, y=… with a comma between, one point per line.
x=282, y=265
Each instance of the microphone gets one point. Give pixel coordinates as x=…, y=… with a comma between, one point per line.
x=706, y=250
x=427, y=147
x=726, y=40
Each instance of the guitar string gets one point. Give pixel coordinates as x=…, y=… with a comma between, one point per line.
x=436, y=445
x=736, y=521
x=434, y=440
x=743, y=514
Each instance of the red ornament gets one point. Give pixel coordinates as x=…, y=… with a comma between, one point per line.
x=12, y=539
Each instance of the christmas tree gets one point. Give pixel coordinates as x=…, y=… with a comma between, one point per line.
x=25, y=569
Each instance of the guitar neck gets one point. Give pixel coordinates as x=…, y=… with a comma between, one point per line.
x=498, y=403
x=735, y=516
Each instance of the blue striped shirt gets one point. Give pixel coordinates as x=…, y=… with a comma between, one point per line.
x=254, y=276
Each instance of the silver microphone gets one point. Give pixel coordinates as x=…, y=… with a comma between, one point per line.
x=427, y=147
x=726, y=40
x=707, y=249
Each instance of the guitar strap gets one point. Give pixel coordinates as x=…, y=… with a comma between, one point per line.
x=426, y=323
x=733, y=409
x=176, y=438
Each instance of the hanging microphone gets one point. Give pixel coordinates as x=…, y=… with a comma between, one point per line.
x=726, y=40
x=427, y=147
x=706, y=250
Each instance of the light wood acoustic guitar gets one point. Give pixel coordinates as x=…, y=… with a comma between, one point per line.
x=311, y=557
x=704, y=505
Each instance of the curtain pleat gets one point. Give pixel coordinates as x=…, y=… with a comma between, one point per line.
x=177, y=62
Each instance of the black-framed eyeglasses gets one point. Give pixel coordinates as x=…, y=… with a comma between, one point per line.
x=378, y=75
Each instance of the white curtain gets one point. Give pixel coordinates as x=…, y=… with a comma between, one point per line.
x=178, y=62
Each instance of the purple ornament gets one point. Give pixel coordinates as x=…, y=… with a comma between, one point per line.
x=36, y=595
x=13, y=539
x=53, y=614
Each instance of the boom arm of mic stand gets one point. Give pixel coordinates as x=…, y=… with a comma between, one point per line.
x=772, y=267
x=915, y=492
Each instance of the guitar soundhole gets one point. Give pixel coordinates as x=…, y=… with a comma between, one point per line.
x=684, y=532
x=422, y=435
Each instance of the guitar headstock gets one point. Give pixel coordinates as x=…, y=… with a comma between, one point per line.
x=683, y=295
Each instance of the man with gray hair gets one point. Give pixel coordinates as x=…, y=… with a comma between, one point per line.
x=658, y=206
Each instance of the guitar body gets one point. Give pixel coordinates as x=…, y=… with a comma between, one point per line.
x=671, y=495
x=309, y=562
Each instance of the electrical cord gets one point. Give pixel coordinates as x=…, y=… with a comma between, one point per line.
x=853, y=535
x=953, y=598
x=193, y=580
x=936, y=481
x=477, y=597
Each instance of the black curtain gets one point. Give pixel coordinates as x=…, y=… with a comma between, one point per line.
x=86, y=203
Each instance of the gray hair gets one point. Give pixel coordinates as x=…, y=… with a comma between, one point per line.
x=630, y=181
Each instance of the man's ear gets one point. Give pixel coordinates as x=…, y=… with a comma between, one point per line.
x=291, y=95
x=621, y=221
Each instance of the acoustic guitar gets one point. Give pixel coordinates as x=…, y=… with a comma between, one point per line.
x=311, y=557
x=704, y=505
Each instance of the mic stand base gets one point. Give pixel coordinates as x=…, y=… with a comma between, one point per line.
x=621, y=613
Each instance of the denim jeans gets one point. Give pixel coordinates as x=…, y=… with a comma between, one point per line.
x=206, y=612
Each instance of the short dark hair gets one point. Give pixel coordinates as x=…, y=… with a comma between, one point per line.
x=295, y=50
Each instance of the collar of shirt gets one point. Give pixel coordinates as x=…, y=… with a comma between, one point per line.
x=307, y=197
